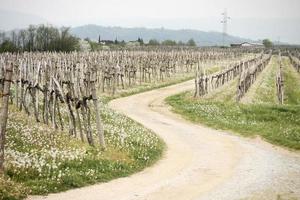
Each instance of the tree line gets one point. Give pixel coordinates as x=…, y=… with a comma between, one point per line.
x=155, y=42
x=152, y=42
x=39, y=38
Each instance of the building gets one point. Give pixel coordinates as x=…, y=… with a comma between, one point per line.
x=246, y=44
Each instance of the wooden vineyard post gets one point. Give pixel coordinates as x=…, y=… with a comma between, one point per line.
x=114, y=77
x=4, y=97
x=97, y=112
x=279, y=83
x=196, y=94
x=76, y=95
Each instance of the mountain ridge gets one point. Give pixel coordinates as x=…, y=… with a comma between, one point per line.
x=202, y=38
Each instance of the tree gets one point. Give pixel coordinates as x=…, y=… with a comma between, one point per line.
x=169, y=43
x=14, y=38
x=141, y=41
x=153, y=42
x=67, y=41
x=180, y=43
x=8, y=46
x=123, y=43
x=191, y=43
x=99, y=39
x=2, y=37
x=116, y=41
x=39, y=38
x=31, y=35
x=23, y=37
x=267, y=43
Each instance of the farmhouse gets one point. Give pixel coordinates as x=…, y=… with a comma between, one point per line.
x=246, y=44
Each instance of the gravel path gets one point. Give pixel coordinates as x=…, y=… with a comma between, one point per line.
x=199, y=163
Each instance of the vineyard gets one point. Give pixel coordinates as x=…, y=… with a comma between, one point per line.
x=43, y=82
x=133, y=100
x=60, y=132
x=259, y=97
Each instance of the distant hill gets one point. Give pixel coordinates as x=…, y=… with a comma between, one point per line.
x=202, y=38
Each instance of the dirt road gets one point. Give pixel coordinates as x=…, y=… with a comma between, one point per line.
x=199, y=163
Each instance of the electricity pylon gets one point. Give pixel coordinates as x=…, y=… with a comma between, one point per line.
x=224, y=22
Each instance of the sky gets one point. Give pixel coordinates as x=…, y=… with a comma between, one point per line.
x=255, y=19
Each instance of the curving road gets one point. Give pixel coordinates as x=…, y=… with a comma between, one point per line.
x=199, y=163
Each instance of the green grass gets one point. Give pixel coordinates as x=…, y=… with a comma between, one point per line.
x=68, y=163
x=291, y=83
x=42, y=160
x=225, y=93
x=213, y=69
x=262, y=116
x=263, y=91
x=277, y=124
x=10, y=190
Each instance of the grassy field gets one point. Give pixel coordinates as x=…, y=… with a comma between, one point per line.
x=45, y=160
x=277, y=124
x=291, y=84
x=263, y=91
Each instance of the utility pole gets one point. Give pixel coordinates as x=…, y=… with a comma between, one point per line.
x=224, y=22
